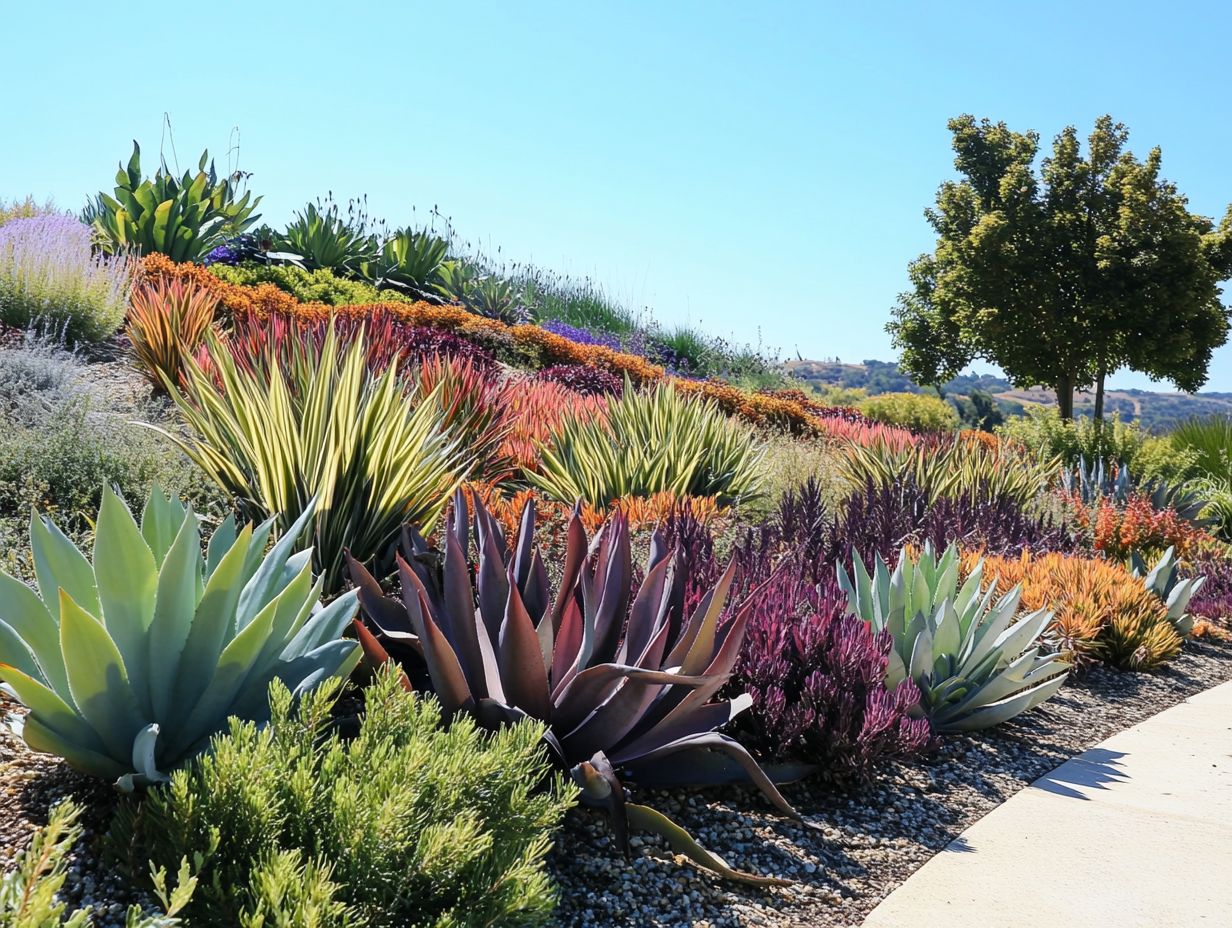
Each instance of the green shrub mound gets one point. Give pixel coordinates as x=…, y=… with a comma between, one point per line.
x=911, y=411
x=406, y=824
x=318, y=286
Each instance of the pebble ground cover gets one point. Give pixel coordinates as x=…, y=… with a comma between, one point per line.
x=351, y=579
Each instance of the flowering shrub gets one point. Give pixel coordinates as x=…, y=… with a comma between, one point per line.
x=50, y=275
x=588, y=381
x=1101, y=611
x=1137, y=526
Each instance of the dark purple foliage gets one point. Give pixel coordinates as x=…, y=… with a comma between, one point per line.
x=881, y=519
x=816, y=674
x=582, y=378
x=817, y=678
x=1214, y=600
x=421, y=342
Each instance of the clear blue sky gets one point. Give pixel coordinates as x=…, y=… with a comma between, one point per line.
x=746, y=167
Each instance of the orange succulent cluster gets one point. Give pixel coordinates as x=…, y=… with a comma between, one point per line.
x=782, y=410
x=1101, y=612
x=1138, y=526
x=552, y=517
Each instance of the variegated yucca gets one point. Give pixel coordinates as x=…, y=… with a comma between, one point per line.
x=167, y=321
x=976, y=661
x=130, y=663
x=302, y=423
x=647, y=443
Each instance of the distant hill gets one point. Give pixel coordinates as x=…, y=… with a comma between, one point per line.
x=1157, y=411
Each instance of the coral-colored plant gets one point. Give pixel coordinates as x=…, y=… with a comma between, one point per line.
x=1137, y=526
x=533, y=409
x=167, y=322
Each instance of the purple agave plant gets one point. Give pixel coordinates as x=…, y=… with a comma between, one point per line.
x=49, y=275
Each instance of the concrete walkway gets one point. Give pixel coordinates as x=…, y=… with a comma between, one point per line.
x=1135, y=833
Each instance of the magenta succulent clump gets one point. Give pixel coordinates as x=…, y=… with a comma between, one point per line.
x=50, y=276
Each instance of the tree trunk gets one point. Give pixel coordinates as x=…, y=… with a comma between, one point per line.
x=1065, y=397
x=1099, y=398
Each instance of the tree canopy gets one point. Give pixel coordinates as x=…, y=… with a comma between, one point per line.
x=1063, y=273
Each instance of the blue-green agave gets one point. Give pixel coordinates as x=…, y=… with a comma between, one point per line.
x=1165, y=582
x=129, y=664
x=977, y=662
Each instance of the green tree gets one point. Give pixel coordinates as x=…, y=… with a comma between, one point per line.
x=1066, y=273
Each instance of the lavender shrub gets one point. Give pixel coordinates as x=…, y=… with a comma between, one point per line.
x=50, y=276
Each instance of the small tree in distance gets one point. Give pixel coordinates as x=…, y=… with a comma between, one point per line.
x=1064, y=274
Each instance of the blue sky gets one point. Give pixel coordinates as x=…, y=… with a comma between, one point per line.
x=756, y=169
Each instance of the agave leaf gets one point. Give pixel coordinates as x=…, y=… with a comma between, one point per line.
x=97, y=679
x=26, y=616
x=681, y=842
x=58, y=565
x=172, y=618
x=46, y=740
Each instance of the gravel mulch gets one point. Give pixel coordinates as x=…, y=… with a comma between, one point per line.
x=870, y=840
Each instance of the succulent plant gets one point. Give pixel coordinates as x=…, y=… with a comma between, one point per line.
x=976, y=662
x=131, y=663
x=1164, y=581
x=623, y=677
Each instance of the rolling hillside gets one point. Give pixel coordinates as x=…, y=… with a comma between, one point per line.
x=1156, y=410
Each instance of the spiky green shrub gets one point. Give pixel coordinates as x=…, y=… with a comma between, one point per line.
x=948, y=470
x=408, y=823
x=182, y=218
x=911, y=410
x=975, y=661
x=651, y=442
x=28, y=893
x=1209, y=440
x=303, y=423
x=129, y=663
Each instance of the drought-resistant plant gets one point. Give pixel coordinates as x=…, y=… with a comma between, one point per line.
x=37, y=376
x=916, y=411
x=535, y=408
x=23, y=209
x=1101, y=611
x=29, y=893
x=316, y=286
x=131, y=662
x=816, y=674
x=181, y=218
x=300, y=424
x=622, y=676
x=406, y=823
x=1118, y=531
x=167, y=322
x=1210, y=440
x=410, y=260
x=648, y=443
x=323, y=238
x=50, y=276
x=881, y=518
x=589, y=381
x=976, y=662
x=1164, y=580
x=950, y=468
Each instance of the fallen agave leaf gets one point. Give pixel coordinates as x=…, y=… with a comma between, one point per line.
x=684, y=844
